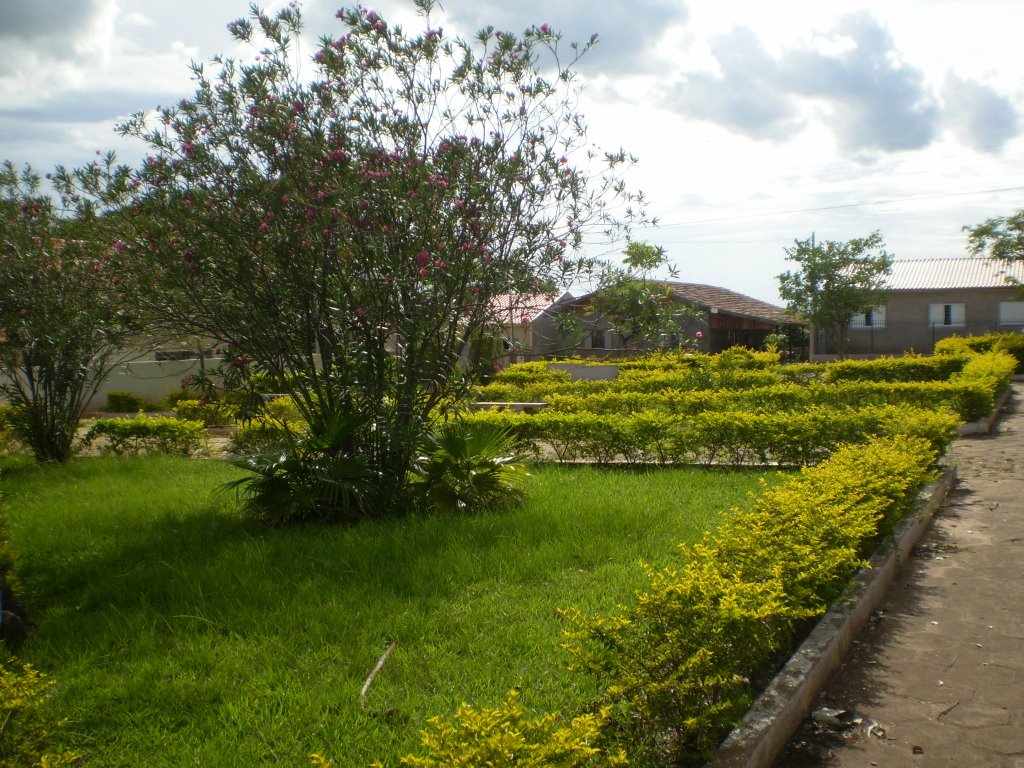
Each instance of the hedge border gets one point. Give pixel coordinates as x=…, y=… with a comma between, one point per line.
x=768, y=725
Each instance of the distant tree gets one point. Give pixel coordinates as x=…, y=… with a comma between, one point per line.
x=347, y=227
x=637, y=304
x=67, y=299
x=835, y=281
x=998, y=238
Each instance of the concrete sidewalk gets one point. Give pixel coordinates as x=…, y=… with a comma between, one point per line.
x=940, y=667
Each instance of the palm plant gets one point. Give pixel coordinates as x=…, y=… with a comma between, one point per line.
x=313, y=475
x=467, y=467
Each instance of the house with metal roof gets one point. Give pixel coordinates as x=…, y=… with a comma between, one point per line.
x=930, y=299
x=722, y=319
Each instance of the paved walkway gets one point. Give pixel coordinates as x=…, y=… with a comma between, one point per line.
x=940, y=667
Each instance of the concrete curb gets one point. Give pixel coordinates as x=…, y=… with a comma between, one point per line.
x=770, y=723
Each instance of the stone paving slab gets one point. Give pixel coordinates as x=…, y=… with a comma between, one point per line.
x=940, y=667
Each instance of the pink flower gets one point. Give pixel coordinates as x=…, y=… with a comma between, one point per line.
x=361, y=311
x=699, y=335
x=423, y=257
x=423, y=272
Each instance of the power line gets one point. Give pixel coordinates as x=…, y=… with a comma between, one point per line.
x=746, y=217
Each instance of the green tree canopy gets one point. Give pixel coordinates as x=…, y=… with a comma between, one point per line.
x=998, y=238
x=639, y=305
x=834, y=281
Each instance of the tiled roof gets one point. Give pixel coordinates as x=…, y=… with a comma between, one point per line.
x=712, y=297
x=938, y=274
x=515, y=307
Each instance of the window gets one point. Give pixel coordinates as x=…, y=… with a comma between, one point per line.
x=594, y=339
x=873, y=318
x=947, y=314
x=1011, y=313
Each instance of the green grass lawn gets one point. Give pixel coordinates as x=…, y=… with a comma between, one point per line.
x=180, y=633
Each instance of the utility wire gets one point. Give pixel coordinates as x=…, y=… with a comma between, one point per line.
x=746, y=217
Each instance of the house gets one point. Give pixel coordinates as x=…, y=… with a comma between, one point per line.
x=930, y=299
x=723, y=319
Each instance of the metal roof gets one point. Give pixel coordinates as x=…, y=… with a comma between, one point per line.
x=939, y=274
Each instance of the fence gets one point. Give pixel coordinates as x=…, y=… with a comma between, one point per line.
x=897, y=338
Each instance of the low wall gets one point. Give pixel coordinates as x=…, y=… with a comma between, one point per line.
x=151, y=380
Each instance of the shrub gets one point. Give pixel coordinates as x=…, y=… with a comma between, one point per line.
x=213, y=413
x=1011, y=342
x=125, y=402
x=283, y=409
x=173, y=398
x=990, y=370
x=148, y=434
x=310, y=476
x=506, y=737
x=891, y=369
x=10, y=440
x=721, y=437
x=523, y=374
x=466, y=466
x=261, y=433
x=26, y=727
x=676, y=666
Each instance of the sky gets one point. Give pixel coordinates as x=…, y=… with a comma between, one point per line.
x=755, y=123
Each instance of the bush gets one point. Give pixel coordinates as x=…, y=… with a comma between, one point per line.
x=505, y=737
x=284, y=410
x=312, y=476
x=261, y=433
x=148, y=434
x=173, y=398
x=26, y=727
x=891, y=369
x=1011, y=342
x=676, y=666
x=126, y=402
x=10, y=441
x=213, y=413
x=990, y=370
x=720, y=437
x=524, y=374
x=466, y=466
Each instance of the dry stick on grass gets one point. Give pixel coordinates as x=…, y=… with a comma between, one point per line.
x=373, y=674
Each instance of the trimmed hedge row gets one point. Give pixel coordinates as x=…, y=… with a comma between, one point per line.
x=891, y=369
x=148, y=434
x=633, y=380
x=970, y=398
x=676, y=666
x=734, y=438
x=213, y=413
x=1011, y=342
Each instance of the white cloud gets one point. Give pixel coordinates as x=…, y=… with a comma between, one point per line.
x=978, y=115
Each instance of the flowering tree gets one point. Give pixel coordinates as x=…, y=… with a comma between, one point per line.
x=346, y=223
x=66, y=305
